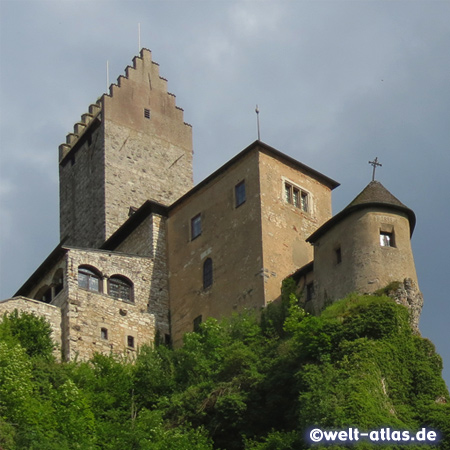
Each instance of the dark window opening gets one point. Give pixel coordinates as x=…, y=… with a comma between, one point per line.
x=207, y=273
x=104, y=333
x=58, y=282
x=146, y=113
x=120, y=288
x=387, y=239
x=338, y=255
x=130, y=341
x=88, y=279
x=196, y=226
x=197, y=323
x=47, y=296
x=239, y=192
x=309, y=291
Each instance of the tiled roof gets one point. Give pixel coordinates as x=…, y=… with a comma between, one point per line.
x=373, y=195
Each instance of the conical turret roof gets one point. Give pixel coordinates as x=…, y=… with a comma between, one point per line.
x=373, y=195
x=375, y=192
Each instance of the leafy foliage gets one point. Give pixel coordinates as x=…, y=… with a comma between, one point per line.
x=243, y=383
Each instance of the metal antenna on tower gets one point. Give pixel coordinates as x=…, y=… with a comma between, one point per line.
x=107, y=76
x=257, y=122
x=139, y=37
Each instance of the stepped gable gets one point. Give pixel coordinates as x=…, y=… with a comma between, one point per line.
x=132, y=74
x=145, y=71
x=373, y=195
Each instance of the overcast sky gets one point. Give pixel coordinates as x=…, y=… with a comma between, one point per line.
x=337, y=83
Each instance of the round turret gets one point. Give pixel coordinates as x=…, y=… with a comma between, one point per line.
x=363, y=248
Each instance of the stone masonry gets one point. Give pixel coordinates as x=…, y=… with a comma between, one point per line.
x=144, y=255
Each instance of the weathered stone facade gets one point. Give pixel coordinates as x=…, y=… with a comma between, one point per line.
x=131, y=147
x=144, y=255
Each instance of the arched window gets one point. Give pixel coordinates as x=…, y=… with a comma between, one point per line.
x=121, y=288
x=207, y=273
x=90, y=279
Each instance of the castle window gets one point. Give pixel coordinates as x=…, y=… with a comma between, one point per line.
x=309, y=291
x=338, y=255
x=387, y=239
x=89, y=279
x=207, y=273
x=47, y=296
x=104, y=333
x=196, y=226
x=121, y=288
x=130, y=341
x=239, y=193
x=58, y=281
x=197, y=323
x=296, y=196
x=146, y=113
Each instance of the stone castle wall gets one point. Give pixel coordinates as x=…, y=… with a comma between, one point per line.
x=51, y=313
x=86, y=312
x=131, y=147
x=285, y=226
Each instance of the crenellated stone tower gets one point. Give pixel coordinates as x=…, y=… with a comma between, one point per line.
x=131, y=146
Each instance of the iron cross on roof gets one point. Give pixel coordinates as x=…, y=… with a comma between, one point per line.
x=374, y=163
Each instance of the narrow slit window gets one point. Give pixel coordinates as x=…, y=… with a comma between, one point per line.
x=196, y=226
x=239, y=193
x=338, y=255
x=146, y=113
x=207, y=273
x=309, y=291
x=197, y=323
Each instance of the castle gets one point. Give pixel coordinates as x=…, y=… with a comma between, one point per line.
x=144, y=254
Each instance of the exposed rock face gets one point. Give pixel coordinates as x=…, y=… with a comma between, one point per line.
x=408, y=294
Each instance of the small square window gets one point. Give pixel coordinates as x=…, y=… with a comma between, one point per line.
x=239, y=193
x=104, y=333
x=387, y=239
x=196, y=226
x=130, y=341
x=146, y=113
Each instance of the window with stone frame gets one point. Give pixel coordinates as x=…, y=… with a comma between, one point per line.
x=239, y=193
x=89, y=279
x=207, y=273
x=196, y=226
x=296, y=196
x=130, y=341
x=121, y=288
x=387, y=239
